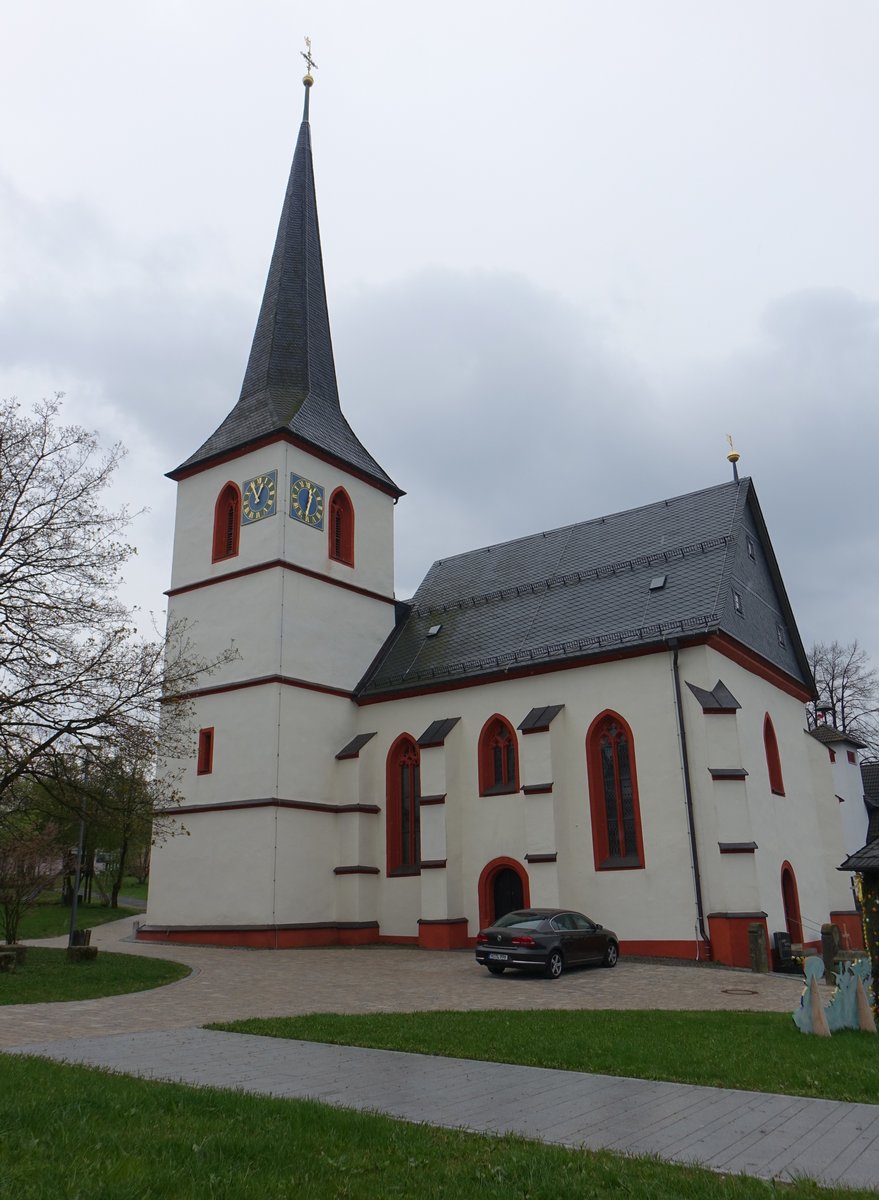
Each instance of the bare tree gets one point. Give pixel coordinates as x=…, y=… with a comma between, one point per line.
x=848, y=691
x=31, y=856
x=76, y=681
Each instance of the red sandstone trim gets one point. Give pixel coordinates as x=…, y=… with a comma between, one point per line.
x=272, y=439
x=432, y=800
x=261, y=681
x=448, y=933
x=723, y=644
x=541, y=858
x=279, y=563
x=851, y=929
x=720, y=642
x=570, y=664
x=265, y=937
x=272, y=802
x=443, y=934
x=484, y=888
x=660, y=948
x=433, y=864
x=537, y=789
x=356, y=871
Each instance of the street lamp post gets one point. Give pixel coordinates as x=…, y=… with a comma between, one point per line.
x=73, y=908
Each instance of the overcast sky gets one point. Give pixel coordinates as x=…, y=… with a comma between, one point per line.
x=568, y=248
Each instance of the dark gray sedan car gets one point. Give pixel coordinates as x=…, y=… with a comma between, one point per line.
x=545, y=939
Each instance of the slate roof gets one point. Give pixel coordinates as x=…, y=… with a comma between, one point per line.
x=829, y=735
x=290, y=382
x=870, y=779
x=719, y=699
x=866, y=859
x=583, y=590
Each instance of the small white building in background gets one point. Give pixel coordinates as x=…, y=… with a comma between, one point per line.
x=843, y=753
x=607, y=716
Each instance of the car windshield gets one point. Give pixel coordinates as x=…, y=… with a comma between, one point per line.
x=523, y=919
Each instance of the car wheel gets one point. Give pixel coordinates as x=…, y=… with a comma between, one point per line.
x=611, y=955
x=555, y=964
x=494, y=969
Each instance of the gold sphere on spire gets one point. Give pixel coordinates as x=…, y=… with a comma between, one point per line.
x=308, y=80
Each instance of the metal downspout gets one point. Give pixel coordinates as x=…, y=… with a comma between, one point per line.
x=688, y=792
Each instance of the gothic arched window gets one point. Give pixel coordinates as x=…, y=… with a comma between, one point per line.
x=773, y=758
x=498, y=758
x=341, y=529
x=403, y=808
x=613, y=794
x=227, y=523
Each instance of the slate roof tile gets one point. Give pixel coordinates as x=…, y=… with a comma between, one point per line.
x=585, y=589
x=290, y=381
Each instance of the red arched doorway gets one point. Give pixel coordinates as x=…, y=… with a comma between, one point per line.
x=503, y=887
x=791, y=901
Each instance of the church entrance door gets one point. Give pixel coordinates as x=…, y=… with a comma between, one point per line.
x=506, y=892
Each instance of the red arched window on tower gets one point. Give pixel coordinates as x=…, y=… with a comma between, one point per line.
x=498, y=758
x=227, y=523
x=773, y=759
x=403, y=807
x=613, y=794
x=341, y=530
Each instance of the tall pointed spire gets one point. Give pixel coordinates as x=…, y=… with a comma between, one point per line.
x=290, y=381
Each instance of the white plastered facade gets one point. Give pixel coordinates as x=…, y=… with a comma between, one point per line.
x=283, y=835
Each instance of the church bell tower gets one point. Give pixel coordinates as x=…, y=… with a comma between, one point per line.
x=283, y=548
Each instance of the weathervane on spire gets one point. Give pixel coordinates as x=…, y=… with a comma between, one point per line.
x=310, y=64
x=733, y=457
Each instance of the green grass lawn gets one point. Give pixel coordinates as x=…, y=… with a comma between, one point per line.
x=763, y=1052
x=49, y=918
x=132, y=890
x=47, y=975
x=74, y=1133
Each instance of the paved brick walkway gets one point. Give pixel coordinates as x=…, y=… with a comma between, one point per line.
x=154, y=1034
x=227, y=984
x=781, y=1137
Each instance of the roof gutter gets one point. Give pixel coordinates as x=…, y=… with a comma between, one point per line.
x=674, y=646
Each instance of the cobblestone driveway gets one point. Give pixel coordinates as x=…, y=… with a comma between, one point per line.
x=228, y=984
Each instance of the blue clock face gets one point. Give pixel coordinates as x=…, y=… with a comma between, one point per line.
x=259, y=497
x=307, y=501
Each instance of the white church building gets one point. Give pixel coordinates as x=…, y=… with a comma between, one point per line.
x=607, y=716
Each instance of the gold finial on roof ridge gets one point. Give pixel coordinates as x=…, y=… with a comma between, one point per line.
x=733, y=457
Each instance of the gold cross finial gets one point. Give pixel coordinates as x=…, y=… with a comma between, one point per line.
x=733, y=455
x=310, y=64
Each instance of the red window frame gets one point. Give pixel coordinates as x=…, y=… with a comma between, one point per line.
x=205, y=762
x=617, y=840
x=773, y=758
x=498, y=758
x=341, y=528
x=403, y=825
x=832, y=754
x=227, y=523
x=790, y=900
x=850, y=755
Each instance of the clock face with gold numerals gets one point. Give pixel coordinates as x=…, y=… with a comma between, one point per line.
x=259, y=497
x=307, y=501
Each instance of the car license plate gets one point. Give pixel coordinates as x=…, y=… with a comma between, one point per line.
x=499, y=957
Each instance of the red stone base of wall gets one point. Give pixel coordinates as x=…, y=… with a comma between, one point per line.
x=851, y=929
x=264, y=937
x=729, y=937
x=443, y=935
x=689, y=951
